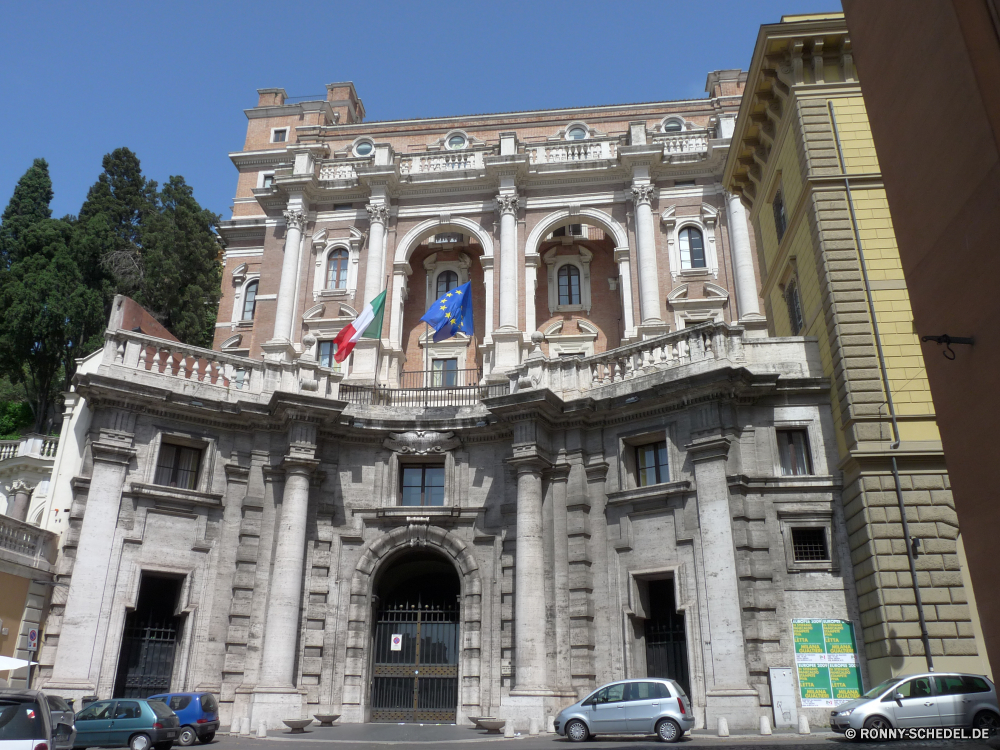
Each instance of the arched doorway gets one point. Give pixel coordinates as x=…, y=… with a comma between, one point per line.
x=415, y=640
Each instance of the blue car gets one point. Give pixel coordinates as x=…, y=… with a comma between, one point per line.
x=198, y=714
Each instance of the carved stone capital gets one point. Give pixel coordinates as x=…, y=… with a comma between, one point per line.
x=294, y=219
x=377, y=213
x=642, y=194
x=507, y=204
x=422, y=442
x=19, y=485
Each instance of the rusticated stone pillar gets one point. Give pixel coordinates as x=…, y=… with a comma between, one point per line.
x=529, y=581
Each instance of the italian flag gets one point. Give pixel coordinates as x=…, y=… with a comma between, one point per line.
x=367, y=325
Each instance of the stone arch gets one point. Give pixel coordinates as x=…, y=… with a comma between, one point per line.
x=374, y=556
x=563, y=216
x=410, y=241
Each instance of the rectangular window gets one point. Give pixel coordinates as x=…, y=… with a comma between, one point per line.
x=780, y=217
x=684, y=183
x=793, y=445
x=177, y=466
x=794, y=308
x=444, y=373
x=326, y=351
x=809, y=545
x=268, y=181
x=422, y=484
x=280, y=135
x=651, y=464
x=343, y=206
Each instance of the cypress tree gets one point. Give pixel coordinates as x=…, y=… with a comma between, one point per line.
x=28, y=206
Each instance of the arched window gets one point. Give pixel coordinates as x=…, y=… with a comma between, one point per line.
x=692, y=246
x=336, y=270
x=569, y=285
x=576, y=133
x=249, y=300
x=446, y=281
x=672, y=126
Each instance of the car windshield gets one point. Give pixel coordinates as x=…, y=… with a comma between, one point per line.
x=20, y=721
x=876, y=691
x=160, y=709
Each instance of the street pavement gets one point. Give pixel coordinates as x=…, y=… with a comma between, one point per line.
x=451, y=737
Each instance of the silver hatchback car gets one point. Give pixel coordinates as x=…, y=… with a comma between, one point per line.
x=647, y=706
x=933, y=699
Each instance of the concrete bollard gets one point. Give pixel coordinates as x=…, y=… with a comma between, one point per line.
x=508, y=729
x=804, y=724
x=550, y=724
x=723, y=727
x=245, y=726
x=765, y=725
x=533, y=726
x=262, y=730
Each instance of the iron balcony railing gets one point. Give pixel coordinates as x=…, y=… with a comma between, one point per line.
x=426, y=388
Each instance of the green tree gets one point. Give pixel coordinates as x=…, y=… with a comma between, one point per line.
x=182, y=268
x=158, y=247
x=28, y=206
x=49, y=316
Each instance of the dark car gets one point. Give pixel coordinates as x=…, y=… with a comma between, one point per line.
x=198, y=714
x=32, y=720
x=132, y=722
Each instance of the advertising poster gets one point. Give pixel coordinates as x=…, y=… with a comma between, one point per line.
x=826, y=658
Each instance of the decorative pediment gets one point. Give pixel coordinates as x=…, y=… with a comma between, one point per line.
x=233, y=342
x=715, y=291
x=709, y=214
x=421, y=442
x=240, y=273
x=669, y=216
x=680, y=292
x=347, y=310
x=319, y=239
x=316, y=311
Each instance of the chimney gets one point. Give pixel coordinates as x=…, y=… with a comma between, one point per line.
x=343, y=99
x=271, y=97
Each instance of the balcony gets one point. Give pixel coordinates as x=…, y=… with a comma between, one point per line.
x=684, y=147
x=562, y=155
x=425, y=389
x=465, y=164
x=27, y=545
x=29, y=446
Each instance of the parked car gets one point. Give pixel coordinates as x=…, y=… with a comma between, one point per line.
x=934, y=699
x=649, y=706
x=32, y=720
x=198, y=712
x=132, y=722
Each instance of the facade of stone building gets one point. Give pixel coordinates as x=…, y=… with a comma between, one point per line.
x=619, y=475
x=804, y=162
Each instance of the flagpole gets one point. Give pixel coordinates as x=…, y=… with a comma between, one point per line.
x=378, y=350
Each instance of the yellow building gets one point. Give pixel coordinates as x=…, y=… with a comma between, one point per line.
x=804, y=163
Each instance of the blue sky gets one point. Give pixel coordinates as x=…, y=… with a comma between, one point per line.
x=170, y=80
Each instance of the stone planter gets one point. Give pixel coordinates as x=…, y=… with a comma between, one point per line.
x=492, y=726
x=298, y=726
x=326, y=720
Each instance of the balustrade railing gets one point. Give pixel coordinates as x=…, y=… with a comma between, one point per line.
x=24, y=539
x=687, y=143
x=337, y=171
x=172, y=359
x=426, y=388
x=456, y=161
x=707, y=341
x=574, y=151
x=33, y=445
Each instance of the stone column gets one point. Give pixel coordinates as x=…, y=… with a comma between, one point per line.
x=18, y=510
x=739, y=241
x=529, y=581
x=79, y=653
x=275, y=696
x=560, y=574
x=728, y=690
x=378, y=214
x=295, y=220
x=624, y=261
x=507, y=205
x=649, y=280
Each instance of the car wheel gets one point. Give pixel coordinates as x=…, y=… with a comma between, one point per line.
x=187, y=737
x=987, y=720
x=877, y=722
x=577, y=731
x=139, y=742
x=205, y=739
x=668, y=730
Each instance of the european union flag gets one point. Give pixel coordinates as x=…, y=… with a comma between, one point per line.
x=452, y=313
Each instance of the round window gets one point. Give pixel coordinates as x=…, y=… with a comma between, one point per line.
x=456, y=141
x=363, y=148
x=576, y=133
x=672, y=126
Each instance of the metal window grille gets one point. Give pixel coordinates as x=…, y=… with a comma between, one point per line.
x=780, y=217
x=809, y=545
x=666, y=645
x=794, y=308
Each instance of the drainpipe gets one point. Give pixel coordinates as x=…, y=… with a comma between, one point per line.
x=909, y=541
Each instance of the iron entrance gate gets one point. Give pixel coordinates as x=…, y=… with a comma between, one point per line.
x=147, y=656
x=419, y=681
x=666, y=646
